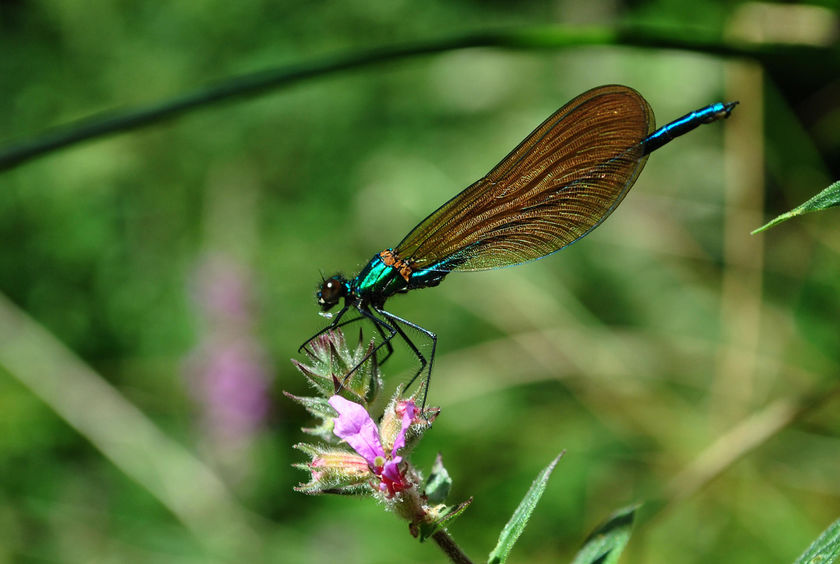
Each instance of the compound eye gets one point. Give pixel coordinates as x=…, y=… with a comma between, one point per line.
x=332, y=290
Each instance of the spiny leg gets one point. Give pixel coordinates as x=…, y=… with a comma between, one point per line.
x=396, y=320
x=386, y=341
x=336, y=325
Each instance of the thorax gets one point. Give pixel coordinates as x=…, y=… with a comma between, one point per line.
x=387, y=274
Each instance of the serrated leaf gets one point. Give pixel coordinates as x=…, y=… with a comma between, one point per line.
x=824, y=550
x=828, y=198
x=519, y=519
x=317, y=407
x=605, y=544
x=439, y=482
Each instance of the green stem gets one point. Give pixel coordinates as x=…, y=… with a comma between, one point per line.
x=546, y=37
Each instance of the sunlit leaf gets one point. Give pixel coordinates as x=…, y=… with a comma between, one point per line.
x=828, y=198
x=824, y=550
x=606, y=542
x=520, y=517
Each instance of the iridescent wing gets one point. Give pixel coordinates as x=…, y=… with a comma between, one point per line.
x=559, y=184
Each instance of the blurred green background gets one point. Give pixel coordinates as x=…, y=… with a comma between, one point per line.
x=156, y=283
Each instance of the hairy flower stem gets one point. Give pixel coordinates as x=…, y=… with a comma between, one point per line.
x=452, y=550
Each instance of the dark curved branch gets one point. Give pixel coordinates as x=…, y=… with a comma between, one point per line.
x=553, y=37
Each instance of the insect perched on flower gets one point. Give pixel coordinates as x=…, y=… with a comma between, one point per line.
x=555, y=187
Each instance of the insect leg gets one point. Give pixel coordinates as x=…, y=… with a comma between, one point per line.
x=337, y=323
x=377, y=324
x=396, y=320
x=386, y=339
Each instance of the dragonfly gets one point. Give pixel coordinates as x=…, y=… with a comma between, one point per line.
x=561, y=182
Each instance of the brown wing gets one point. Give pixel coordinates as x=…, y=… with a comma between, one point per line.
x=560, y=183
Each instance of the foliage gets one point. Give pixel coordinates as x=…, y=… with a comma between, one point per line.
x=608, y=540
x=519, y=519
x=645, y=351
x=826, y=199
x=825, y=549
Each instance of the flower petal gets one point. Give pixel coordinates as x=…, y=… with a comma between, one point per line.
x=356, y=428
x=407, y=410
x=391, y=480
x=391, y=469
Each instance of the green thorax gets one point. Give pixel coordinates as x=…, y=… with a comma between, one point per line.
x=379, y=281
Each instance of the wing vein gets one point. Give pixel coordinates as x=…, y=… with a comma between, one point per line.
x=557, y=185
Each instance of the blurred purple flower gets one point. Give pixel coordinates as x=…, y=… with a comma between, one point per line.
x=228, y=371
x=230, y=382
x=221, y=291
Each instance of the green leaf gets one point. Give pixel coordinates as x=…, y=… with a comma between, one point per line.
x=605, y=543
x=440, y=517
x=824, y=550
x=519, y=519
x=439, y=482
x=828, y=198
x=318, y=407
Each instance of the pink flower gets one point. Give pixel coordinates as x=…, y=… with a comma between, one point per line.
x=355, y=426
